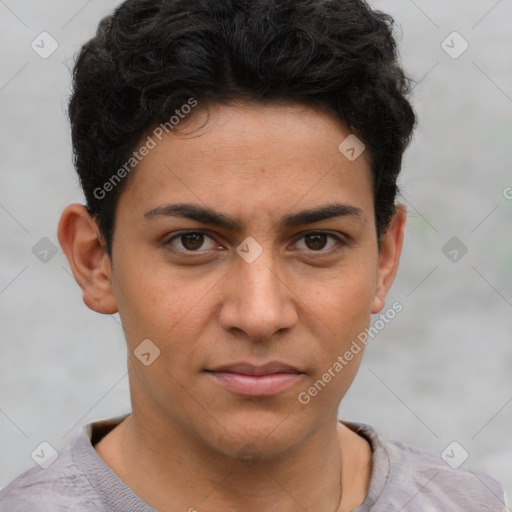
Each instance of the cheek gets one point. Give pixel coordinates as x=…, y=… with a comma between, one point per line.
x=343, y=304
x=171, y=310
x=344, y=299
x=151, y=303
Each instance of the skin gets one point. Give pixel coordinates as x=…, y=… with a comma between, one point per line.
x=302, y=302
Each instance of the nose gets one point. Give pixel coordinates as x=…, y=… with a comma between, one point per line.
x=258, y=301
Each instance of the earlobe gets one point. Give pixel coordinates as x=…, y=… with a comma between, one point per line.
x=389, y=257
x=80, y=240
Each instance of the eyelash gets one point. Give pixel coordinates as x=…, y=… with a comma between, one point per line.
x=340, y=242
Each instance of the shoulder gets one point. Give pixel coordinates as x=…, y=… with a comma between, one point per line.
x=441, y=482
x=62, y=487
x=415, y=479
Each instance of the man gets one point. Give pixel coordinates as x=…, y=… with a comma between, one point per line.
x=239, y=162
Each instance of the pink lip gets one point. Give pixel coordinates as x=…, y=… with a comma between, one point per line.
x=249, y=380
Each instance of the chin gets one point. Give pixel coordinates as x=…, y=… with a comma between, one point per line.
x=258, y=434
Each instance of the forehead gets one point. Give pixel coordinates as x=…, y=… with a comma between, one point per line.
x=251, y=159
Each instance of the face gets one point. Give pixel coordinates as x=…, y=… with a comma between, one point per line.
x=246, y=252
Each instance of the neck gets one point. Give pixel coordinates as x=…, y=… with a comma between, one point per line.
x=170, y=470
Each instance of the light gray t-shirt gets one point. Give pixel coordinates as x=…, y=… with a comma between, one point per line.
x=404, y=478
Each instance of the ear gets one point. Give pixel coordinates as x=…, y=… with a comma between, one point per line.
x=389, y=257
x=80, y=239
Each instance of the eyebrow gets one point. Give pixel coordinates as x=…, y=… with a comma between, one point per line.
x=208, y=216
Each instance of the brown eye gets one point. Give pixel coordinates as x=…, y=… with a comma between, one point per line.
x=192, y=241
x=316, y=241
x=321, y=242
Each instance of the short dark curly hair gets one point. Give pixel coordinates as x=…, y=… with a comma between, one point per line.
x=150, y=57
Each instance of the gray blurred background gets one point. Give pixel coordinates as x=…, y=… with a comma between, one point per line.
x=440, y=372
